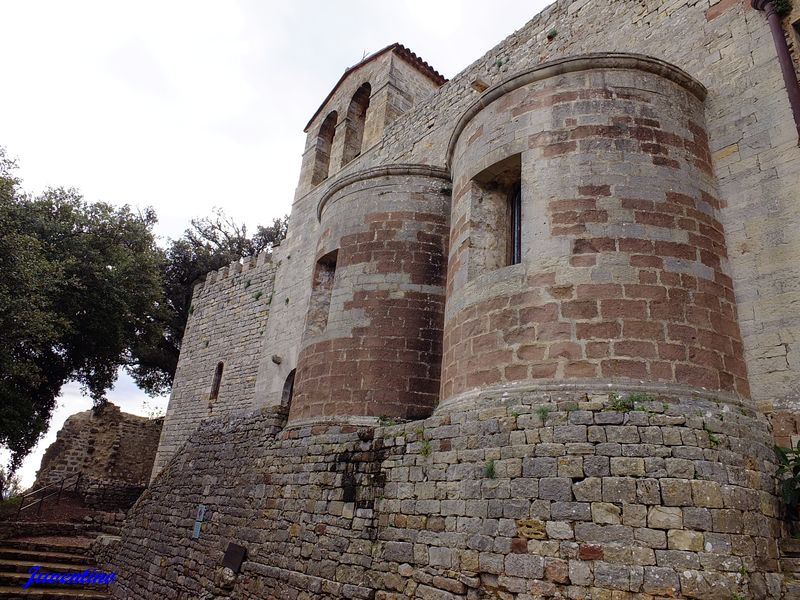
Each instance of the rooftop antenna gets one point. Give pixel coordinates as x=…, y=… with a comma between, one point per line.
x=363, y=56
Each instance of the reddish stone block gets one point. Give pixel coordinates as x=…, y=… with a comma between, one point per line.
x=515, y=372
x=633, y=309
x=636, y=245
x=640, y=260
x=598, y=350
x=650, y=292
x=672, y=351
x=635, y=349
x=697, y=376
x=561, y=292
x=577, y=204
x=579, y=309
x=676, y=249
x=643, y=330
x=583, y=260
x=543, y=371
x=594, y=190
x=662, y=370
x=531, y=352
x=548, y=332
x=605, y=330
x=569, y=350
x=590, y=552
x=547, y=313
x=624, y=368
x=580, y=369
x=654, y=218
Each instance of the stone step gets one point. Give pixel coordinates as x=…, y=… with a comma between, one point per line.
x=22, y=566
x=790, y=565
x=791, y=587
x=18, y=554
x=26, y=545
x=17, y=593
x=790, y=547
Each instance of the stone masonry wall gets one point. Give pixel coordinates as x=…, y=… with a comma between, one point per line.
x=227, y=319
x=559, y=493
x=624, y=266
x=728, y=48
x=373, y=333
x=640, y=486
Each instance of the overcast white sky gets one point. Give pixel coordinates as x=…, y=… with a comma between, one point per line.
x=190, y=105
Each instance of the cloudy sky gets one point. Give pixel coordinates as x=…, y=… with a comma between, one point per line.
x=190, y=105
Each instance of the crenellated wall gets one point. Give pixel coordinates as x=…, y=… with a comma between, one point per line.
x=227, y=320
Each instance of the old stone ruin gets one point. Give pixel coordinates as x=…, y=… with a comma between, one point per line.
x=533, y=333
x=112, y=451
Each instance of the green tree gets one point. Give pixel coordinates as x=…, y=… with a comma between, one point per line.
x=80, y=284
x=209, y=244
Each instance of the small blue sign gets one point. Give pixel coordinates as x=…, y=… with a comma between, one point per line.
x=198, y=520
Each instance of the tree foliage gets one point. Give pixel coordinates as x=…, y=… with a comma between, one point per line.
x=80, y=283
x=85, y=291
x=209, y=244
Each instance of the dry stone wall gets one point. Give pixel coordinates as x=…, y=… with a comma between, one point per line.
x=112, y=451
x=549, y=493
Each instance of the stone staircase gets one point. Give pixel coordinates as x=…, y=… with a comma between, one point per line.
x=50, y=554
x=790, y=566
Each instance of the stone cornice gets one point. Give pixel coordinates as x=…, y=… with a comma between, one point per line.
x=573, y=64
x=380, y=171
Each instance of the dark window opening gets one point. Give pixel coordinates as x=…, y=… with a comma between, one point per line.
x=288, y=390
x=354, y=123
x=321, y=289
x=322, y=150
x=796, y=28
x=216, y=382
x=515, y=209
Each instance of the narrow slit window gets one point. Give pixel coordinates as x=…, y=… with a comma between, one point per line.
x=217, y=381
x=515, y=209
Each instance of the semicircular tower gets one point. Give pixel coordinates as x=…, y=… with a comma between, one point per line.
x=372, y=343
x=586, y=244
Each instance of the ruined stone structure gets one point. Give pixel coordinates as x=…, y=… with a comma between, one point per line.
x=524, y=338
x=112, y=451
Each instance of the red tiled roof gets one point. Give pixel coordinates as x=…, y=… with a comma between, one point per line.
x=404, y=53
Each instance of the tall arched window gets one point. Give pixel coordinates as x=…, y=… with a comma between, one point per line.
x=322, y=152
x=215, y=383
x=356, y=117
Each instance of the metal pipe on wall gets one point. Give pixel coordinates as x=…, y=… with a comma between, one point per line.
x=784, y=58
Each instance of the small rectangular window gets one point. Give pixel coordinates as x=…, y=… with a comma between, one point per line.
x=496, y=217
